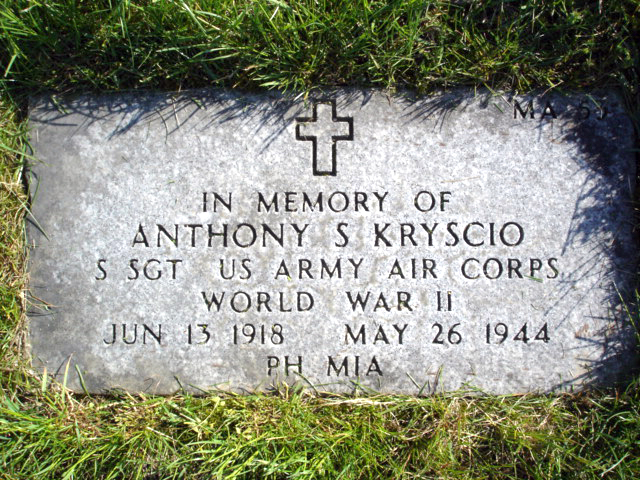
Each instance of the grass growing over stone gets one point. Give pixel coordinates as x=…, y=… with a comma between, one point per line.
x=72, y=46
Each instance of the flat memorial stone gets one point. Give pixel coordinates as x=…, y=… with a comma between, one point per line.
x=220, y=240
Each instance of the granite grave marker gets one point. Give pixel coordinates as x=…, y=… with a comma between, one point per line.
x=214, y=239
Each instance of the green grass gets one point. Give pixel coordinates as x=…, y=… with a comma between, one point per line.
x=72, y=46
x=293, y=435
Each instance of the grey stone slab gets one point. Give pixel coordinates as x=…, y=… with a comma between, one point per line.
x=220, y=240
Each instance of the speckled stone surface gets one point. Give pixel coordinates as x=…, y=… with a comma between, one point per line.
x=220, y=240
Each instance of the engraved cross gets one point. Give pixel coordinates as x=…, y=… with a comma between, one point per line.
x=324, y=129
